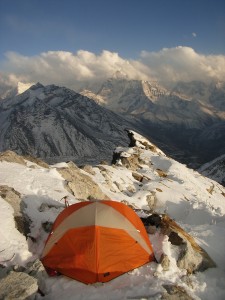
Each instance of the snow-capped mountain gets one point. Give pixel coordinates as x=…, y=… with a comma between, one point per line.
x=9, y=91
x=150, y=101
x=215, y=169
x=22, y=87
x=187, y=122
x=142, y=177
x=58, y=124
x=209, y=94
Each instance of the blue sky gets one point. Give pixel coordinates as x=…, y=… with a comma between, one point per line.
x=69, y=42
x=30, y=27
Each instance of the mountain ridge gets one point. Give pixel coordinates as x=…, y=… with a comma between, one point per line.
x=56, y=123
x=187, y=121
x=176, y=119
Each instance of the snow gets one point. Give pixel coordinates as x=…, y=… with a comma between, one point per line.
x=214, y=169
x=11, y=239
x=22, y=87
x=184, y=194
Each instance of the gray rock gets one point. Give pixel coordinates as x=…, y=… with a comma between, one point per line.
x=11, y=196
x=151, y=200
x=189, y=258
x=81, y=185
x=11, y=156
x=119, y=186
x=137, y=176
x=165, y=262
x=18, y=285
x=47, y=226
x=151, y=229
x=174, y=292
x=192, y=257
x=37, y=270
x=88, y=169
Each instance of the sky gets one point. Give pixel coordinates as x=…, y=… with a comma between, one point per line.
x=136, y=30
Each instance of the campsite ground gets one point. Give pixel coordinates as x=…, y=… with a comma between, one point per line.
x=183, y=194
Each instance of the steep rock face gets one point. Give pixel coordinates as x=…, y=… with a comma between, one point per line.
x=57, y=124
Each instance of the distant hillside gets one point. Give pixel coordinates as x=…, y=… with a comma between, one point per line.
x=57, y=124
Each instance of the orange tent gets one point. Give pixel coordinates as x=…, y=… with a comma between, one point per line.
x=97, y=241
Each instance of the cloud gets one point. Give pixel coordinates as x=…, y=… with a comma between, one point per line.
x=68, y=69
x=75, y=70
x=194, y=34
x=184, y=64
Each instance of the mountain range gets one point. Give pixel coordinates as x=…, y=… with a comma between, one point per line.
x=186, y=121
x=58, y=124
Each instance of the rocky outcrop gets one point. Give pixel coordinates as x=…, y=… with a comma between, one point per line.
x=13, y=197
x=129, y=161
x=151, y=200
x=175, y=292
x=88, y=169
x=191, y=256
x=18, y=285
x=137, y=140
x=37, y=161
x=21, y=283
x=10, y=156
x=132, y=158
x=80, y=184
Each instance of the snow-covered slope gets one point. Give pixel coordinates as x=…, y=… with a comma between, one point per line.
x=140, y=173
x=58, y=124
x=212, y=94
x=215, y=169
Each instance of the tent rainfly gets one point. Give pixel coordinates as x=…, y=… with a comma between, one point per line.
x=96, y=241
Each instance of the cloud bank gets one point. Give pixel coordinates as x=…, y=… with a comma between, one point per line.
x=75, y=70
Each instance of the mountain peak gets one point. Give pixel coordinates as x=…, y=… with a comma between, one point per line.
x=119, y=74
x=36, y=86
x=22, y=87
